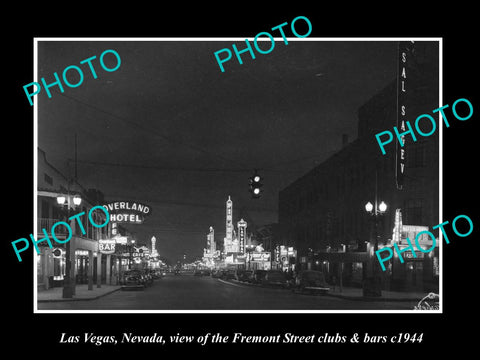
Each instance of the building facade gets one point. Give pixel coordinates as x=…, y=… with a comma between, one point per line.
x=88, y=265
x=322, y=214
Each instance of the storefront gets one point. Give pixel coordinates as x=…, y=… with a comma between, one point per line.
x=82, y=265
x=349, y=267
x=285, y=257
x=50, y=268
x=418, y=273
x=260, y=260
x=88, y=265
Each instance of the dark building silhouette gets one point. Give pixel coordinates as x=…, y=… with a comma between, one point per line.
x=324, y=210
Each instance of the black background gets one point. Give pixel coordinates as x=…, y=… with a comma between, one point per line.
x=26, y=330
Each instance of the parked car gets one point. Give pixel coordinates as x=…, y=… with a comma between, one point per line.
x=206, y=272
x=244, y=275
x=197, y=272
x=275, y=278
x=228, y=274
x=155, y=274
x=311, y=281
x=258, y=276
x=238, y=274
x=132, y=279
x=147, y=276
x=216, y=273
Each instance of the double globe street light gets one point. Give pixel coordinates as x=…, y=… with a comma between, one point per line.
x=381, y=208
x=376, y=211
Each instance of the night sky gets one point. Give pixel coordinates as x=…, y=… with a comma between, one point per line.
x=169, y=129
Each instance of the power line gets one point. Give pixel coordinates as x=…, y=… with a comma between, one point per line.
x=179, y=168
x=193, y=147
x=149, y=130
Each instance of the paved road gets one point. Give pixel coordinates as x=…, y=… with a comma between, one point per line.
x=187, y=292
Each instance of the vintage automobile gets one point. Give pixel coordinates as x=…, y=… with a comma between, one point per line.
x=133, y=279
x=275, y=278
x=216, y=273
x=258, y=276
x=244, y=275
x=155, y=274
x=310, y=281
x=228, y=274
x=197, y=272
x=148, y=277
x=206, y=272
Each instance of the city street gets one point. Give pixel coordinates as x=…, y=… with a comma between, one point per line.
x=286, y=178
x=188, y=292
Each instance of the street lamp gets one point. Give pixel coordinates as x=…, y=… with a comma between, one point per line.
x=369, y=207
x=382, y=207
x=63, y=200
x=130, y=253
x=77, y=200
x=376, y=211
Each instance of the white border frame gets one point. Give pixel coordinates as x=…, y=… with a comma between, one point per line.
x=35, y=175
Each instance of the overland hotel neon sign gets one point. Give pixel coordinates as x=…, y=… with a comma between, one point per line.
x=127, y=212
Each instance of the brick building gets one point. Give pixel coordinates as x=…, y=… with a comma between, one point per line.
x=323, y=212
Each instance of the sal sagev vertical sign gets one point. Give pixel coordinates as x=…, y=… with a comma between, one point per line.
x=127, y=212
x=405, y=49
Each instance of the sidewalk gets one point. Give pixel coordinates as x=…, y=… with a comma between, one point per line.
x=351, y=293
x=81, y=293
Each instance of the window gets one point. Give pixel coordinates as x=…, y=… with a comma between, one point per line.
x=416, y=156
x=45, y=207
x=413, y=212
x=39, y=269
x=48, y=179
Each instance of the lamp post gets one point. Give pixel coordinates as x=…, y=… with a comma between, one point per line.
x=63, y=201
x=376, y=211
x=130, y=254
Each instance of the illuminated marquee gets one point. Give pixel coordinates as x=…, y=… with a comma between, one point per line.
x=106, y=246
x=242, y=229
x=127, y=212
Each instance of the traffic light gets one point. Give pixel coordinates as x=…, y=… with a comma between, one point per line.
x=255, y=182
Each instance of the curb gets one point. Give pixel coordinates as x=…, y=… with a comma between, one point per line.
x=340, y=296
x=370, y=298
x=79, y=299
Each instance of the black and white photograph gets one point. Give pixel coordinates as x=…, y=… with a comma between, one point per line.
x=220, y=180
x=253, y=186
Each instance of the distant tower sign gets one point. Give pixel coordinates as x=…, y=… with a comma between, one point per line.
x=154, y=250
x=229, y=224
x=228, y=241
x=242, y=231
x=211, y=241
